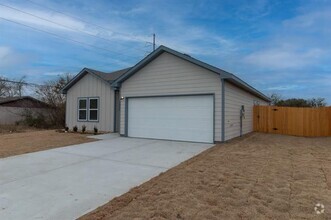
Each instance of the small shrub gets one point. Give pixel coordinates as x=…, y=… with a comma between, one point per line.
x=75, y=128
x=66, y=128
x=83, y=128
x=95, y=130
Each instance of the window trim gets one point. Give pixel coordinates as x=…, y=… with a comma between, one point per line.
x=81, y=109
x=88, y=109
x=95, y=109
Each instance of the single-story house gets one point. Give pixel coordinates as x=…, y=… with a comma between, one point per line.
x=167, y=95
x=12, y=109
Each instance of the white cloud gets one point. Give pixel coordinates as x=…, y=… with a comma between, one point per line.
x=195, y=40
x=254, y=10
x=55, y=22
x=283, y=87
x=131, y=12
x=318, y=79
x=312, y=19
x=4, y=52
x=10, y=58
x=56, y=73
x=299, y=42
x=27, y=19
x=283, y=58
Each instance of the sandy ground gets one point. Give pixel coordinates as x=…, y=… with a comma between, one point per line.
x=31, y=141
x=261, y=176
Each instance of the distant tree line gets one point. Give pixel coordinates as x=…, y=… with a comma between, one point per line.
x=277, y=100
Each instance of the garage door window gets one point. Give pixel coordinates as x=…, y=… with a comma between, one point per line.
x=88, y=109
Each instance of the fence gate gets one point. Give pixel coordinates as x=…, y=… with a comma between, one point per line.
x=307, y=122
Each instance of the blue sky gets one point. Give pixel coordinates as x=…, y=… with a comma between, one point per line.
x=279, y=47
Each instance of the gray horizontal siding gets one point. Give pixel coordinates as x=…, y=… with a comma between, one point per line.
x=91, y=86
x=234, y=99
x=170, y=75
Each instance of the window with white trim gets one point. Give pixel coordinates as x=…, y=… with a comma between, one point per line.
x=93, y=109
x=82, y=109
x=88, y=109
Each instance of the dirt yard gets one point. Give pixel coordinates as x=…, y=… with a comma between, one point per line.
x=261, y=176
x=31, y=141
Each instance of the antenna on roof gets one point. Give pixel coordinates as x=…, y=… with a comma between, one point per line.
x=153, y=42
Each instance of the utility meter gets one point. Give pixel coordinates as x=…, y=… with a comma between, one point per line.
x=242, y=111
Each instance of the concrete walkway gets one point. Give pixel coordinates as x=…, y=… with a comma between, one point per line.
x=65, y=183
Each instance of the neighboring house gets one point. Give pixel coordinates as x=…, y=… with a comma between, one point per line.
x=167, y=95
x=12, y=109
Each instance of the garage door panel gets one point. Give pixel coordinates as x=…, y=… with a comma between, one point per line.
x=186, y=118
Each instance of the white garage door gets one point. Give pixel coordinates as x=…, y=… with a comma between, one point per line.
x=184, y=118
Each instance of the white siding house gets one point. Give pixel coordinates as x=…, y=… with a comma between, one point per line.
x=167, y=95
x=90, y=86
x=170, y=75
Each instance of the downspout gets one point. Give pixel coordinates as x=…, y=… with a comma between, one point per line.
x=126, y=117
x=114, y=123
x=116, y=88
x=223, y=109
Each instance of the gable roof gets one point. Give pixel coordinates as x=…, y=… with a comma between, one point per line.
x=107, y=77
x=161, y=49
x=116, y=78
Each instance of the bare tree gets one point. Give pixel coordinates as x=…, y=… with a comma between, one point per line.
x=275, y=98
x=19, y=86
x=3, y=87
x=50, y=93
x=317, y=102
x=10, y=88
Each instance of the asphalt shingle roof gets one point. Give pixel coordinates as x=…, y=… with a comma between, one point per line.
x=111, y=76
x=108, y=77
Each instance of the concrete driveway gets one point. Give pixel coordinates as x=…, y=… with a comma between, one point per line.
x=65, y=183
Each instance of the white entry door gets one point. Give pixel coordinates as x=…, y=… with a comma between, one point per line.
x=183, y=118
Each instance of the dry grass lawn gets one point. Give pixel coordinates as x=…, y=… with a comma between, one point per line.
x=8, y=129
x=261, y=176
x=31, y=141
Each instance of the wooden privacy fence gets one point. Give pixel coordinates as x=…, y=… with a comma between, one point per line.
x=307, y=122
